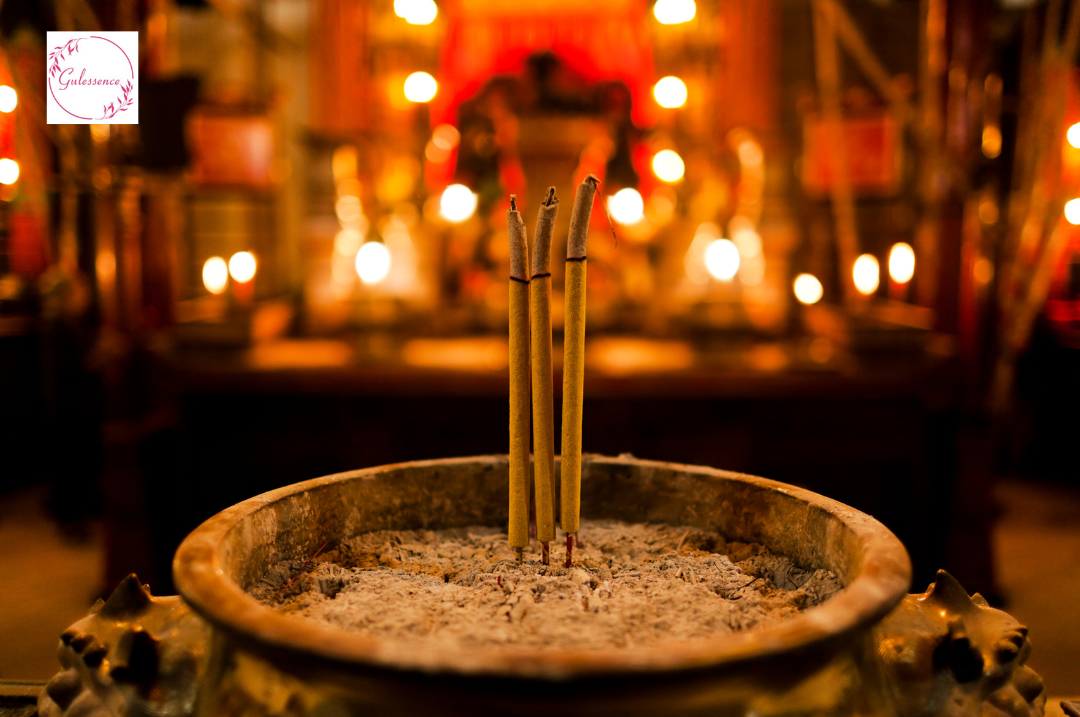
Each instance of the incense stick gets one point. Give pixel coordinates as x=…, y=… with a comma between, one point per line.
x=574, y=359
x=542, y=405
x=520, y=402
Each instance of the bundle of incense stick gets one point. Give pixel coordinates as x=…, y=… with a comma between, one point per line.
x=574, y=361
x=542, y=400
x=520, y=403
x=530, y=320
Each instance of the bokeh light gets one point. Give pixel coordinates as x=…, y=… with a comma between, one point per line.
x=420, y=87
x=1073, y=135
x=808, y=289
x=445, y=137
x=674, y=12
x=668, y=165
x=626, y=206
x=347, y=208
x=991, y=141
x=867, y=274
x=416, y=12
x=983, y=271
x=435, y=154
x=373, y=262
x=670, y=92
x=344, y=162
x=457, y=203
x=100, y=132
x=242, y=266
x=9, y=171
x=661, y=206
x=8, y=98
x=443, y=140
x=750, y=153
x=347, y=242
x=722, y=259
x=901, y=263
x=215, y=275
x=747, y=240
x=1072, y=207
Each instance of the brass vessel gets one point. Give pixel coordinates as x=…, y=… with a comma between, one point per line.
x=264, y=662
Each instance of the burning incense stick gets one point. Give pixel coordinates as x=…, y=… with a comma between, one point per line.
x=574, y=360
x=519, y=379
x=542, y=405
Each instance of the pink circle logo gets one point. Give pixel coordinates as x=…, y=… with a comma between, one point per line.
x=91, y=78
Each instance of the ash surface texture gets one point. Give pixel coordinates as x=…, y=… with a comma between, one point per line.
x=631, y=585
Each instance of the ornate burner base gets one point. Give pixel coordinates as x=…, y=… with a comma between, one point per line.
x=941, y=653
x=949, y=655
x=134, y=654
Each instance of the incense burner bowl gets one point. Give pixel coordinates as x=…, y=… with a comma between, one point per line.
x=266, y=663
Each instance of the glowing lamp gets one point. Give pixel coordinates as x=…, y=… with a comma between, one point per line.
x=420, y=87
x=867, y=274
x=722, y=259
x=242, y=266
x=416, y=12
x=668, y=165
x=373, y=262
x=901, y=263
x=1073, y=135
x=457, y=203
x=9, y=171
x=670, y=92
x=1072, y=207
x=674, y=12
x=808, y=289
x=8, y=98
x=626, y=206
x=215, y=275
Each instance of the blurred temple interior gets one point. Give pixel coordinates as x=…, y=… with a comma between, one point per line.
x=837, y=249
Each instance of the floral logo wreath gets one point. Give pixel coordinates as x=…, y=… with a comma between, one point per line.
x=121, y=103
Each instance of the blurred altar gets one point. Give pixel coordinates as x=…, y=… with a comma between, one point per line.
x=830, y=231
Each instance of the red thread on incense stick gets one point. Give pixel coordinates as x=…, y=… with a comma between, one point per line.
x=569, y=550
x=303, y=568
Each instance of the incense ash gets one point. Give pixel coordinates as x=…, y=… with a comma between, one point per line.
x=630, y=585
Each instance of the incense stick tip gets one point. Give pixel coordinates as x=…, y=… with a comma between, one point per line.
x=593, y=179
x=551, y=198
x=513, y=202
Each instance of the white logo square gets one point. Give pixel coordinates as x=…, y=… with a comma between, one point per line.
x=92, y=78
